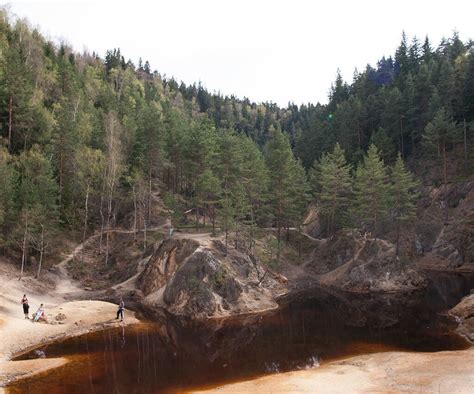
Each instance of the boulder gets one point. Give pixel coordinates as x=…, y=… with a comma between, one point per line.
x=60, y=317
x=464, y=314
x=191, y=291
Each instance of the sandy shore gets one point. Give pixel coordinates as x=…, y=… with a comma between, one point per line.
x=19, y=335
x=450, y=372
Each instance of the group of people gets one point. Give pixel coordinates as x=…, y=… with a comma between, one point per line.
x=39, y=314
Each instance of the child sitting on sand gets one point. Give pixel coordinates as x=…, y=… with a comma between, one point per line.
x=39, y=314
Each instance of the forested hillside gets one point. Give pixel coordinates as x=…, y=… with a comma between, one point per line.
x=88, y=144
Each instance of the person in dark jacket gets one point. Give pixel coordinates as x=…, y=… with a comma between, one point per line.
x=121, y=309
x=26, y=306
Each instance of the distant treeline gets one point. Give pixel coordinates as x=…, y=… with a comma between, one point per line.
x=88, y=143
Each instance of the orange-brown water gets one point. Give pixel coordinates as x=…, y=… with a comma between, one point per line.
x=173, y=357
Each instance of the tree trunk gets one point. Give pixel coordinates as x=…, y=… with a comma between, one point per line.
x=375, y=225
x=397, y=249
x=107, y=247
x=226, y=238
x=149, y=196
x=252, y=218
x=134, y=212
x=328, y=227
x=278, y=241
x=445, y=180
x=213, y=219
x=358, y=136
x=86, y=205
x=109, y=214
x=144, y=236
x=24, y=243
x=465, y=144
x=10, y=123
x=76, y=107
x=402, y=145
x=102, y=220
x=41, y=252
x=176, y=181
x=61, y=175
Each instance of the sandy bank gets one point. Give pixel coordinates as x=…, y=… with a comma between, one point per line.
x=390, y=372
x=19, y=335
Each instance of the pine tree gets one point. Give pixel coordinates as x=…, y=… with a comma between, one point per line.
x=7, y=177
x=403, y=195
x=279, y=162
x=371, y=190
x=422, y=94
x=227, y=214
x=36, y=196
x=332, y=186
x=113, y=169
x=149, y=138
x=438, y=133
x=200, y=154
x=384, y=145
x=208, y=192
x=468, y=91
x=392, y=119
x=299, y=195
x=468, y=103
x=90, y=166
x=17, y=91
x=254, y=179
x=427, y=51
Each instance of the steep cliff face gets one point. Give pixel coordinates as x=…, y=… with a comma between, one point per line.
x=196, y=278
x=368, y=265
x=355, y=261
x=164, y=262
x=451, y=245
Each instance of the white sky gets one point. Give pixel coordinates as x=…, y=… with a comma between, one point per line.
x=266, y=50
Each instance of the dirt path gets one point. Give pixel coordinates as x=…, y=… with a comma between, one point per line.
x=70, y=289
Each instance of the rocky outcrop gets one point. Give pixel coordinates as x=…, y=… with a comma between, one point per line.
x=164, y=262
x=198, y=279
x=449, y=246
x=371, y=267
x=464, y=314
x=201, y=286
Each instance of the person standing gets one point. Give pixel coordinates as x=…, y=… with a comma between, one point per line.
x=26, y=306
x=120, y=310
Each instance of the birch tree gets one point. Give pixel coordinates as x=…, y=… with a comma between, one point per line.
x=113, y=169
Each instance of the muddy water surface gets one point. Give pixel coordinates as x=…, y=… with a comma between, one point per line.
x=313, y=328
